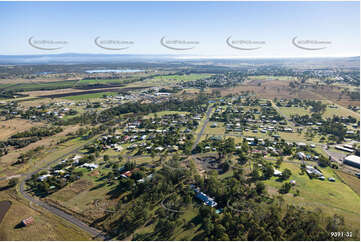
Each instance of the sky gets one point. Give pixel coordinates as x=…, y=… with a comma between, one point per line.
x=271, y=26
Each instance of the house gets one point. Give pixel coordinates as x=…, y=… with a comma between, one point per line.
x=133, y=146
x=206, y=199
x=43, y=177
x=90, y=166
x=214, y=125
x=288, y=130
x=59, y=172
x=76, y=158
x=126, y=174
x=174, y=148
x=313, y=171
x=301, y=155
x=159, y=149
x=277, y=172
x=118, y=147
x=300, y=144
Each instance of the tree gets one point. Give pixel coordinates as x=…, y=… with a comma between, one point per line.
x=106, y=157
x=152, y=154
x=286, y=187
x=129, y=165
x=268, y=171
x=279, y=162
x=286, y=174
x=255, y=174
x=120, y=158
x=260, y=188
x=13, y=182
x=324, y=162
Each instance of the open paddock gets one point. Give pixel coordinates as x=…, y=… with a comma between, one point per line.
x=330, y=197
x=46, y=226
x=13, y=126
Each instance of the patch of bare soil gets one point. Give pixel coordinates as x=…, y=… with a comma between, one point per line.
x=4, y=207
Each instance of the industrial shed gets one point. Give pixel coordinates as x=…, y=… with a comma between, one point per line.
x=352, y=160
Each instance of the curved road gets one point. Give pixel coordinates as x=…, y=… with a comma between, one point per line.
x=96, y=234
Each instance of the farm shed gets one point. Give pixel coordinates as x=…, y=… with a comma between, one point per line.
x=352, y=160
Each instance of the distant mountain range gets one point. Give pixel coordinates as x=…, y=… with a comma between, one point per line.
x=76, y=58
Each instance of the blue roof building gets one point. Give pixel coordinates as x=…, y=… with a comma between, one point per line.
x=205, y=199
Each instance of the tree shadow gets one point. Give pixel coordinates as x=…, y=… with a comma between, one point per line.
x=4, y=188
x=19, y=225
x=97, y=187
x=115, y=193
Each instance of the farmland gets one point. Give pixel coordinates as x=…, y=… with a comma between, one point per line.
x=91, y=96
x=172, y=79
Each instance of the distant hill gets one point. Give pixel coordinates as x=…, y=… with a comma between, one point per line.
x=77, y=58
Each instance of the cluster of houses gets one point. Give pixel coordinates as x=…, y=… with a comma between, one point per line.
x=268, y=119
x=302, y=156
x=314, y=172
x=146, y=95
x=64, y=167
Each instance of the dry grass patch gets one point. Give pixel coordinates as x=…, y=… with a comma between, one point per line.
x=45, y=227
x=13, y=126
x=352, y=181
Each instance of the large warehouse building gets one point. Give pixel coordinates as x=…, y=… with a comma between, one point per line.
x=352, y=160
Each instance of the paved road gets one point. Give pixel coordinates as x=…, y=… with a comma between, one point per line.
x=209, y=111
x=339, y=157
x=282, y=114
x=96, y=234
x=92, y=231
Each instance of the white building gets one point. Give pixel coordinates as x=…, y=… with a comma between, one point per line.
x=352, y=160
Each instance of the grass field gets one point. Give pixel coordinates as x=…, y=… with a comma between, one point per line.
x=90, y=96
x=162, y=113
x=352, y=181
x=260, y=135
x=81, y=195
x=288, y=111
x=99, y=81
x=12, y=126
x=330, y=197
x=41, y=86
x=266, y=77
x=45, y=227
x=171, y=79
x=180, y=233
x=218, y=130
x=339, y=111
